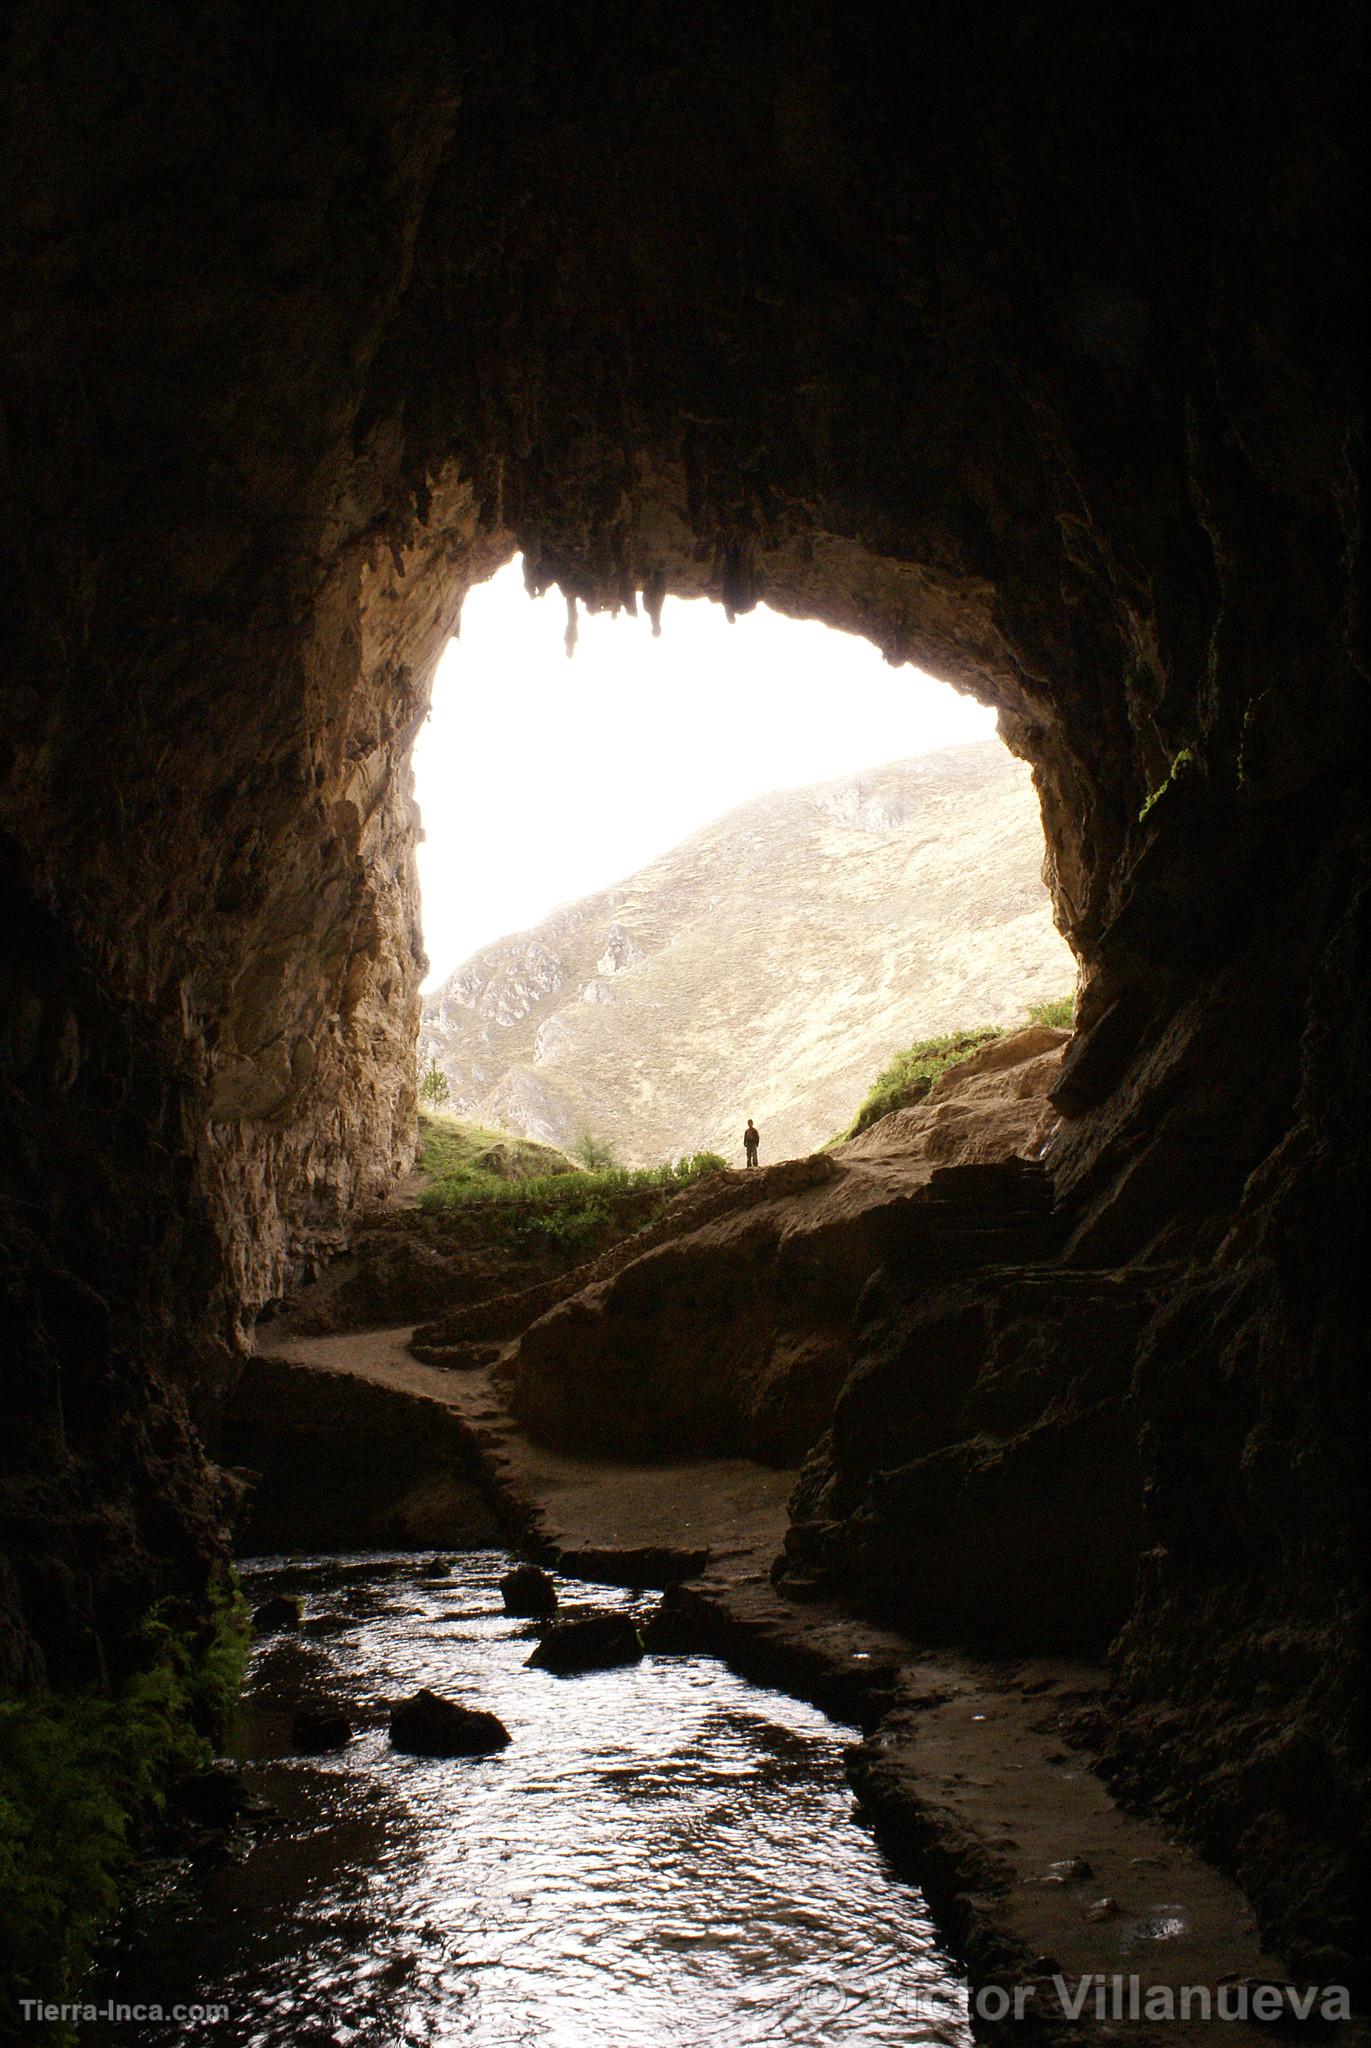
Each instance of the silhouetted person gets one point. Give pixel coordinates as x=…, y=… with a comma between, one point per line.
x=752, y=1138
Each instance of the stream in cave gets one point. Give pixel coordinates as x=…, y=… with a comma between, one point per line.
x=663, y=1854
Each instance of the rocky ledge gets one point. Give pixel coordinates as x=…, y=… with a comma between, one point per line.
x=732, y=1330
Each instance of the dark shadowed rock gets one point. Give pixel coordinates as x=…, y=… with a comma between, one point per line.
x=633, y=1564
x=593, y=1642
x=460, y=1357
x=528, y=1592
x=276, y=1615
x=428, y=1725
x=315, y=1729
x=981, y=1476
x=214, y=1798
x=350, y=1464
x=672, y=1626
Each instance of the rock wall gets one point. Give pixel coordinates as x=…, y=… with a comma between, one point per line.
x=1023, y=340
x=106, y=1499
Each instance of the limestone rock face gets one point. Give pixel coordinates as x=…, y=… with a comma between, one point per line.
x=981, y=1480
x=743, y=973
x=1026, y=342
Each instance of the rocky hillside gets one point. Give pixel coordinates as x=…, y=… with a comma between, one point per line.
x=766, y=967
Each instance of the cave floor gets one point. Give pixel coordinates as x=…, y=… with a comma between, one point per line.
x=1030, y=1866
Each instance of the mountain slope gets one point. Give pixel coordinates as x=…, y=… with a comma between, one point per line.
x=768, y=966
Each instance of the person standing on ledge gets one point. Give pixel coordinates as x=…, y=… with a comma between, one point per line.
x=752, y=1138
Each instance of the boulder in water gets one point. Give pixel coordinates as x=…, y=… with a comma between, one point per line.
x=428, y=1725
x=672, y=1625
x=528, y=1592
x=280, y=1613
x=592, y=1642
x=213, y=1798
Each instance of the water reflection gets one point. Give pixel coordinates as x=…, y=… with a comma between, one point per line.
x=663, y=1855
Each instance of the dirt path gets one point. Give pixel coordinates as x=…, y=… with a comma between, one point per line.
x=728, y=1511
x=1033, y=1871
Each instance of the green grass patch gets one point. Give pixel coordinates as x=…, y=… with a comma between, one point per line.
x=567, y=1210
x=1061, y=1014
x=912, y=1073
x=523, y=1193
x=82, y=1778
x=451, y=1150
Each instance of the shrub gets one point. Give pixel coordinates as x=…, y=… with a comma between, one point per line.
x=1061, y=1014
x=912, y=1073
x=593, y=1154
x=82, y=1777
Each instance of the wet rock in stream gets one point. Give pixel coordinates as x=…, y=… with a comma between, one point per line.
x=214, y=1798
x=428, y=1725
x=528, y=1592
x=597, y=1642
x=276, y=1616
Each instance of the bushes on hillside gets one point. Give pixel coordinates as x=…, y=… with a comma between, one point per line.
x=568, y=1209
x=912, y=1073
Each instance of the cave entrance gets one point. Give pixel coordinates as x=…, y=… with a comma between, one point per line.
x=723, y=870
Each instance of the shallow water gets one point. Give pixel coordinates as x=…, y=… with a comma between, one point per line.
x=664, y=1857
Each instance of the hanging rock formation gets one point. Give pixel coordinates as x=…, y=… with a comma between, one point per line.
x=1021, y=339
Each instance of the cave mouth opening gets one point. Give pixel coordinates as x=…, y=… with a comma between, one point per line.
x=546, y=788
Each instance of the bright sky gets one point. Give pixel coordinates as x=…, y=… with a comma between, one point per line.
x=542, y=780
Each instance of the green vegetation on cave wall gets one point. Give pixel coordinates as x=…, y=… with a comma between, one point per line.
x=85, y=1779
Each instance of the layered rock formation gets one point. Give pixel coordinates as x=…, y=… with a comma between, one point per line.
x=745, y=973
x=1024, y=341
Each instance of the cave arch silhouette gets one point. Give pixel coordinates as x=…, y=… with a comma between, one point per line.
x=1022, y=341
